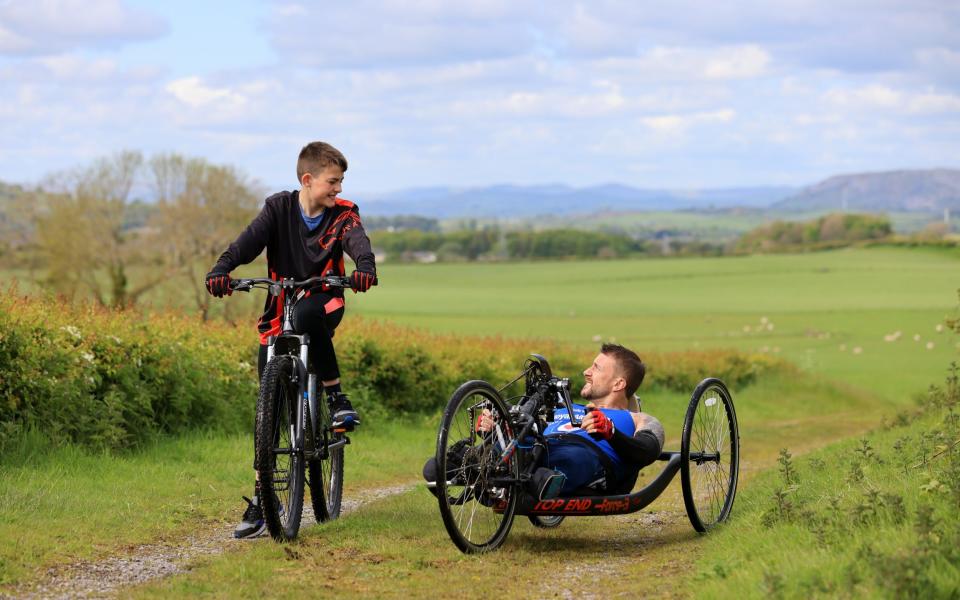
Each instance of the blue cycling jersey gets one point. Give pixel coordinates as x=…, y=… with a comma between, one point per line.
x=622, y=420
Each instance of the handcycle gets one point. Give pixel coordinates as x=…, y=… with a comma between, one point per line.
x=483, y=475
x=293, y=428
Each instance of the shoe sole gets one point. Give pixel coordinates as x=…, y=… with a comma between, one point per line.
x=253, y=534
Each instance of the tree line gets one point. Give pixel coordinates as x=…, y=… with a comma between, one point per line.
x=83, y=230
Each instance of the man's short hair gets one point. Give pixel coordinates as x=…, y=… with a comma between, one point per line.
x=631, y=367
x=316, y=156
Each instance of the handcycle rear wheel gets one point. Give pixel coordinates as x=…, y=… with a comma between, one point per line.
x=709, y=455
x=278, y=453
x=545, y=521
x=326, y=474
x=477, y=513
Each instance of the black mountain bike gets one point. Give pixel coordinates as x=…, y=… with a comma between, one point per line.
x=293, y=435
x=487, y=472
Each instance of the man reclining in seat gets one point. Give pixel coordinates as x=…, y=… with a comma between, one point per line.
x=614, y=440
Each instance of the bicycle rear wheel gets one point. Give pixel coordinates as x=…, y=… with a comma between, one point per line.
x=709, y=455
x=477, y=510
x=279, y=455
x=326, y=473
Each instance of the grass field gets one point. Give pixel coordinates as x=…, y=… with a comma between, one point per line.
x=828, y=312
x=67, y=504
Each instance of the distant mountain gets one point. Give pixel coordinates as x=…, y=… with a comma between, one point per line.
x=512, y=201
x=929, y=190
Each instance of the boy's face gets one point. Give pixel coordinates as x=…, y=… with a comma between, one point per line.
x=324, y=187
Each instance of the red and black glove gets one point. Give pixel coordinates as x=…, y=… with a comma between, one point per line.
x=218, y=284
x=361, y=281
x=602, y=424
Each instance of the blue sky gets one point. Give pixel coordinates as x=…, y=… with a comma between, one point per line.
x=680, y=94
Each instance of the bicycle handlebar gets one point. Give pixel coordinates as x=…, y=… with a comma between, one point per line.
x=245, y=285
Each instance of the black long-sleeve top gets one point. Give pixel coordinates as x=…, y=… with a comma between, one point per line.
x=296, y=252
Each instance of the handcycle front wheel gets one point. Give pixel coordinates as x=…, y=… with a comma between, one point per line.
x=709, y=455
x=326, y=473
x=476, y=512
x=278, y=452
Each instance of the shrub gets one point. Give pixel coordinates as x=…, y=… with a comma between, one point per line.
x=114, y=379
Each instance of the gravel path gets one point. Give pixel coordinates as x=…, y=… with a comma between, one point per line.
x=108, y=577
x=578, y=580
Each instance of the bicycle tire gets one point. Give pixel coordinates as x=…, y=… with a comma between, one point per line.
x=477, y=515
x=709, y=455
x=326, y=473
x=279, y=453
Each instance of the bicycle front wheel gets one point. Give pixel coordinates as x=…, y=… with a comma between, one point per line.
x=474, y=489
x=326, y=472
x=709, y=455
x=279, y=453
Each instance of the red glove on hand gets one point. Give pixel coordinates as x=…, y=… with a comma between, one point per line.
x=602, y=424
x=361, y=281
x=218, y=284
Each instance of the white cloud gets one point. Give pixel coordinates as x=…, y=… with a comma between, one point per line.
x=674, y=124
x=744, y=62
x=41, y=27
x=869, y=96
x=934, y=103
x=193, y=92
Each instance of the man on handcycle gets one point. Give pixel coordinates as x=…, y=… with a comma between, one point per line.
x=614, y=440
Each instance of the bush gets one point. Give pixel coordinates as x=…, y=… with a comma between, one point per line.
x=114, y=379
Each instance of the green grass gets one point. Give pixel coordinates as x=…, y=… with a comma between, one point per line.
x=398, y=546
x=63, y=505
x=821, y=306
x=868, y=517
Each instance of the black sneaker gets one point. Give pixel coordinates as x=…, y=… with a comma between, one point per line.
x=343, y=415
x=252, y=524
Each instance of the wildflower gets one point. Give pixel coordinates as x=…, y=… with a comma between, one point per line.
x=72, y=332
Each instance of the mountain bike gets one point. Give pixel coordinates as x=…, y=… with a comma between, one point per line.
x=294, y=436
x=487, y=472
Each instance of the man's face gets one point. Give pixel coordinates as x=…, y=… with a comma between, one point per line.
x=601, y=378
x=325, y=187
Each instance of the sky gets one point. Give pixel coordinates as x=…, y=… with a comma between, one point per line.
x=416, y=93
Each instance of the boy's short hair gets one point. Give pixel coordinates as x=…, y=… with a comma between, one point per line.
x=630, y=364
x=317, y=155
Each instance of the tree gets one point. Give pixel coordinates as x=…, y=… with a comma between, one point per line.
x=90, y=233
x=81, y=233
x=201, y=208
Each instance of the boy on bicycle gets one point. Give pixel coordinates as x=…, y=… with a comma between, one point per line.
x=305, y=233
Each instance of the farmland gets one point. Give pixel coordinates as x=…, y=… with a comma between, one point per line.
x=835, y=315
x=829, y=312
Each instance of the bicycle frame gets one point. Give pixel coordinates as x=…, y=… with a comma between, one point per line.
x=297, y=347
